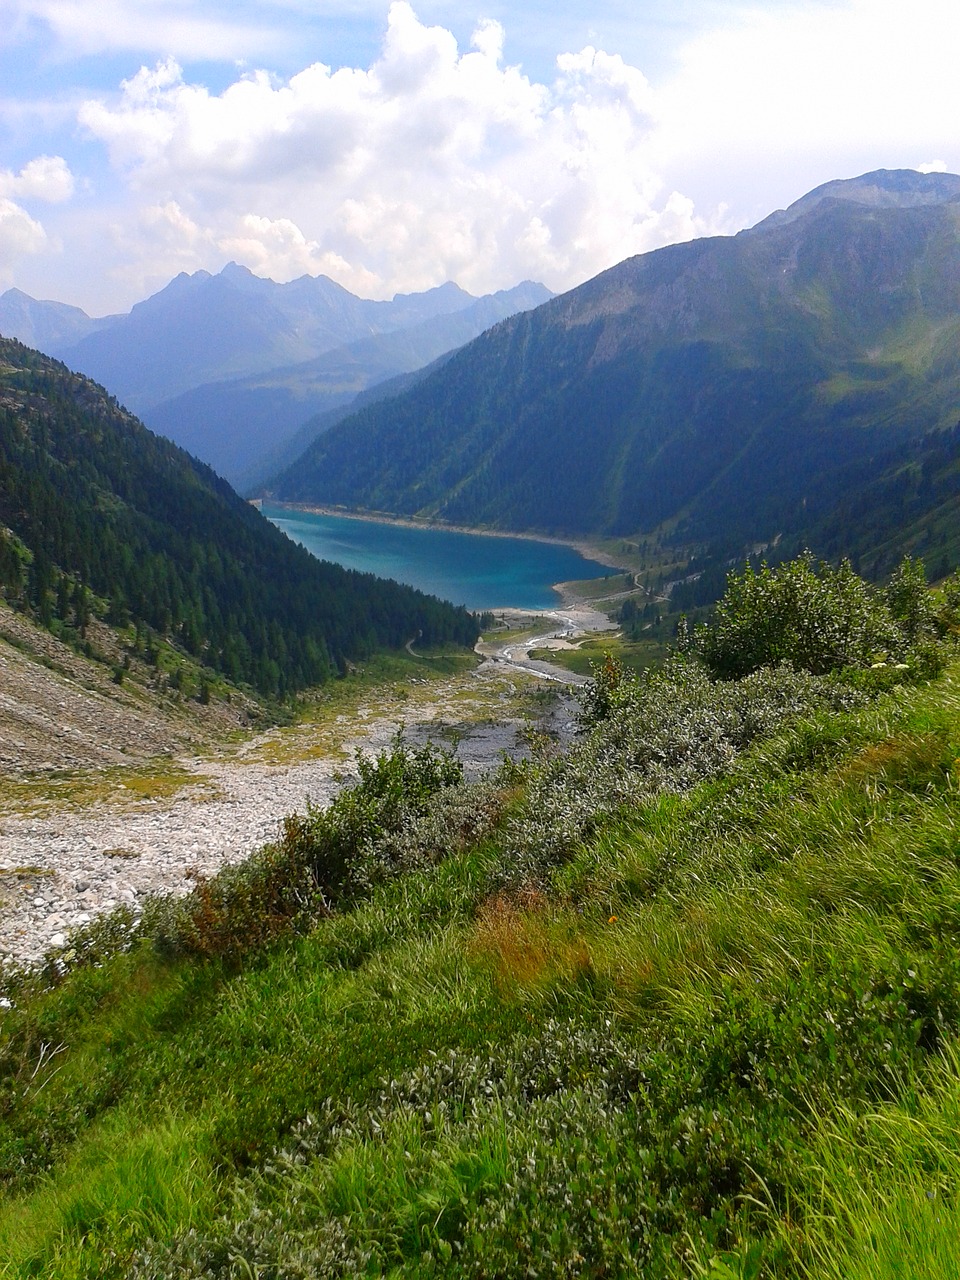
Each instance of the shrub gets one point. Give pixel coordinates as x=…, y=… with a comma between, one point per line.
x=812, y=616
x=243, y=907
x=326, y=858
x=664, y=732
x=911, y=604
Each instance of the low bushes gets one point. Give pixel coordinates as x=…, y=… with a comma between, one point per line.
x=408, y=809
x=819, y=618
x=613, y=1014
x=666, y=731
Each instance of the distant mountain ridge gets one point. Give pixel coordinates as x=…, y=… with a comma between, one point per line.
x=44, y=325
x=882, y=189
x=230, y=365
x=204, y=327
x=240, y=427
x=723, y=386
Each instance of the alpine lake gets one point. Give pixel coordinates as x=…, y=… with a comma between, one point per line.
x=477, y=570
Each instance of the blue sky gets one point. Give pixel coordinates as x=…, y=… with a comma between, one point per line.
x=396, y=145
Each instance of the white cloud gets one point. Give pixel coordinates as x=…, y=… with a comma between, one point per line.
x=443, y=161
x=19, y=235
x=267, y=245
x=84, y=27
x=431, y=164
x=46, y=178
x=816, y=90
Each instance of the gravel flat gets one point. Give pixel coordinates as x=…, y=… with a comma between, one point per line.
x=62, y=864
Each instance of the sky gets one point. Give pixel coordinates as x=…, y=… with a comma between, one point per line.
x=396, y=145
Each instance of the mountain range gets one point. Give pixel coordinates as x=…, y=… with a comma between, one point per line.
x=729, y=390
x=248, y=428
x=796, y=384
x=230, y=365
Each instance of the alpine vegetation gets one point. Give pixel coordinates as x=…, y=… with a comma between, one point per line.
x=680, y=1001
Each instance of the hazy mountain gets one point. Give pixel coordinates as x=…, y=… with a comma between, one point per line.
x=45, y=325
x=241, y=428
x=727, y=385
x=259, y=480
x=92, y=504
x=883, y=189
x=202, y=328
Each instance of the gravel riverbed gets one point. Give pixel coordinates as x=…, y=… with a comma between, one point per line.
x=62, y=866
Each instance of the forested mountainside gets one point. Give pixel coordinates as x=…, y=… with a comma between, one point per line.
x=96, y=512
x=731, y=386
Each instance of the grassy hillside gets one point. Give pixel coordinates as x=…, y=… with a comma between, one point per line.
x=683, y=1002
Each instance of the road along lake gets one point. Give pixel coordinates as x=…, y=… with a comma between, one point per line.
x=481, y=571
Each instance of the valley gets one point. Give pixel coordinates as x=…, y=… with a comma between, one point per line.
x=716, y=395
x=112, y=795
x=345, y=930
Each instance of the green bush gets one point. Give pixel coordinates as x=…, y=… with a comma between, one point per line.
x=322, y=860
x=820, y=619
x=665, y=731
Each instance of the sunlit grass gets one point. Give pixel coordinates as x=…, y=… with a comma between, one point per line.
x=634, y=655
x=700, y=999
x=884, y=1193
x=162, y=779
x=125, y=1184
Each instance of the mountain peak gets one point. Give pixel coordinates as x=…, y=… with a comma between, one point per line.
x=449, y=289
x=880, y=189
x=236, y=269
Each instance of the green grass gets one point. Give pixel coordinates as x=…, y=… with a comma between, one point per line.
x=635, y=655
x=720, y=1039
x=883, y=1199
x=159, y=779
x=121, y=1186
x=613, y=584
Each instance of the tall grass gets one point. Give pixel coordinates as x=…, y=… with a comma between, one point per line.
x=714, y=1035
x=121, y=1186
x=883, y=1198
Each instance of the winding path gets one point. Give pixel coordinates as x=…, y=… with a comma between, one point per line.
x=569, y=625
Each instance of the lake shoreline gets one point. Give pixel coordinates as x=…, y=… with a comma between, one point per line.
x=589, y=550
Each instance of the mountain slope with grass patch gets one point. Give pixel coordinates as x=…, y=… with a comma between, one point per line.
x=702, y=1022
x=731, y=389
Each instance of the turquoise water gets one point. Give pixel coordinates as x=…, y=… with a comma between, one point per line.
x=471, y=569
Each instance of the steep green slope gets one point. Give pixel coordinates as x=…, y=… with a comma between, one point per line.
x=683, y=1003
x=899, y=501
x=95, y=505
x=729, y=383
